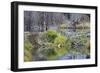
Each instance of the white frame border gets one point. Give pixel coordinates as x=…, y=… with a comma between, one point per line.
x=22, y=64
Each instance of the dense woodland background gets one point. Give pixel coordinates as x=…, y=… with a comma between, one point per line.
x=42, y=21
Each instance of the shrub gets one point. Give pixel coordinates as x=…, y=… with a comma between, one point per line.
x=28, y=54
x=26, y=59
x=27, y=45
x=57, y=45
x=50, y=54
x=33, y=38
x=51, y=35
x=60, y=45
x=27, y=51
x=47, y=51
x=86, y=49
x=80, y=44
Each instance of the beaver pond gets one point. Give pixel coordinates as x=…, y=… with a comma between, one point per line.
x=56, y=36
